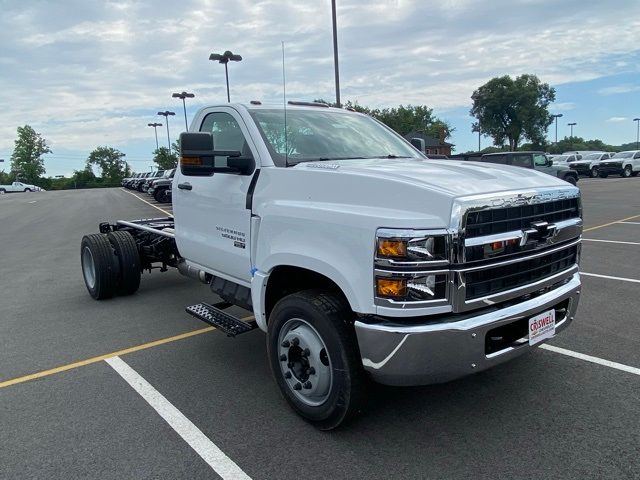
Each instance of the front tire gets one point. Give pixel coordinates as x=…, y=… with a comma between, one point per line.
x=603, y=174
x=626, y=173
x=571, y=180
x=2, y=191
x=99, y=267
x=314, y=357
x=128, y=258
x=594, y=172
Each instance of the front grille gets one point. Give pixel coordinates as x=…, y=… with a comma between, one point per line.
x=498, y=279
x=501, y=220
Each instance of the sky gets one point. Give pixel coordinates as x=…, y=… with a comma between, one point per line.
x=88, y=73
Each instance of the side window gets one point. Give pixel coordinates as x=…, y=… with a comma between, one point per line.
x=637, y=155
x=522, y=161
x=501, y=159
x=226, y=135
x=539, y=160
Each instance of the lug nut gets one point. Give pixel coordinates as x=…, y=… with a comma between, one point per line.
x=306, y=352
x=286, y=344
x=287, y=375
x=307, y=385
x=283, y=358
x=295, y=341
x=311, y=371
x=297, y=386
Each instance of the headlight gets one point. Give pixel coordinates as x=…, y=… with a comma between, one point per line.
x=411, y=247
x=419, y=287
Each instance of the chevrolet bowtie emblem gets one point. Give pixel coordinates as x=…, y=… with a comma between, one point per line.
x=540, y=232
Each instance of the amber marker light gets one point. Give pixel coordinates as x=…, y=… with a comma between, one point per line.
x=392, y=248
x=391, y=287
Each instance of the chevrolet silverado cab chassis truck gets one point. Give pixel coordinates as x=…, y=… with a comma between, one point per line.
x=359, y=257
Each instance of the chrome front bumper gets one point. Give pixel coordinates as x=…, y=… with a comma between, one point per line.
x=439, y=352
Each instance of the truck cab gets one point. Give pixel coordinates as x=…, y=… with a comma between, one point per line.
x=18, y=187
x=360, y=258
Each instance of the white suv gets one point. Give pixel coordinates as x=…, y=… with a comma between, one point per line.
x=626, y=164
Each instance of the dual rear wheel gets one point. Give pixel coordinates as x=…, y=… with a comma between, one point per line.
x=110, y=264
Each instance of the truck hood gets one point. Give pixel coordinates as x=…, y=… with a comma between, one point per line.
x=449, y=177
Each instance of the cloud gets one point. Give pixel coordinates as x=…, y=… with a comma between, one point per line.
x=617, y=89
x=96, y=72
x=617, y=119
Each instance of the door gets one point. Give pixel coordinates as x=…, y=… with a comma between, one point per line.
x=541, y=162
x=211, y=219
x=522, y=160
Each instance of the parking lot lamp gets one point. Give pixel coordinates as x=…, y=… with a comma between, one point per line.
x=572, y=125
x=182, y=96
x=556, y=117
x=166, y=114
x=637, y=120
x=225, y=58
x=155, y=129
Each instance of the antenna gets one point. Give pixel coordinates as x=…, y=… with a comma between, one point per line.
x=284, y=101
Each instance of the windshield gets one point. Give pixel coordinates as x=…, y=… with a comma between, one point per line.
x=623, y=155
x=560, y=158
x=592, y=156
x=327, y=135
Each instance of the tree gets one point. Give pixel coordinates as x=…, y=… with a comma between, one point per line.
x=513, y=110
x=26, y=159
x=110, y=161
x=165, y=159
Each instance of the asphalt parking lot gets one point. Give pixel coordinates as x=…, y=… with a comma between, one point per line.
x=133, y=387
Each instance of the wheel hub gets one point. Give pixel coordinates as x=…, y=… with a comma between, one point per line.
x=304, y=362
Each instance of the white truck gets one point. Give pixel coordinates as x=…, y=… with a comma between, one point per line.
x=359, y=258
x=18, y=187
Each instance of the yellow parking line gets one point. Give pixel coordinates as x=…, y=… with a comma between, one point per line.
x=151, y=204
x=99, y=358
x=610, y=223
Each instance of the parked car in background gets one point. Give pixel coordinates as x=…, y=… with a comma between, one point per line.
x=18, y=187
x=147, y=182
x=625, y=164
x=589, y=164
x=137, y=183
x=564, y=159
x=536, y=160
x=160, y=188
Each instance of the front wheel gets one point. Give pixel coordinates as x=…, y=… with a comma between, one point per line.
x=314, y=357
x=2, y=191
x=571, y=180
x=27, y=190
x=99, y=267
x=594, y=172
x=626, y=173
x=603, y=174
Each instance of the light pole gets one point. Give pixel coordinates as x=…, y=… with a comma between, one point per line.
x=335, y=51
x=572, y=125
x=557, y=116
x=637, y=120
x=166, y=114
x=182, y=96
x=155, y=129
x=225, y=58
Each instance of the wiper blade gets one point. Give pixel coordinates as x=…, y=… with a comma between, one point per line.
x=323, y=159
x=392, y=156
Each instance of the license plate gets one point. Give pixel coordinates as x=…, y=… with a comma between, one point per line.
x=542, y=326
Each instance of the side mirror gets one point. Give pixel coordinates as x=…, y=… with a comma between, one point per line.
x=196, y=154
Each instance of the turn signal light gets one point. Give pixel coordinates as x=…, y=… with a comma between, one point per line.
x=391, y=288
x=392, y=248
x=192, y=161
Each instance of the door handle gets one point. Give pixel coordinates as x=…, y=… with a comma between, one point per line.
x=185, y=186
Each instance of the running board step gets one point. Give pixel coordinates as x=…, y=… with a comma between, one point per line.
x=214, y=316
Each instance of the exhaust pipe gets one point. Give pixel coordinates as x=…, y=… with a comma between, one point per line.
x=192, y=272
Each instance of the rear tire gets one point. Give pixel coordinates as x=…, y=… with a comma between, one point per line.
x=2, y=191
x=327, y=384
x=626, y=173
x=99, y=266
x=128, y=258
x=158, y=195
x=27, y=190
x=594, y=172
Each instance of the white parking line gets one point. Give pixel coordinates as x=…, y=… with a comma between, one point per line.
x=609, y=241
x=210, y=453
x=622, y=279
x=630, y=223
x=589, y=358
x=143, y=200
